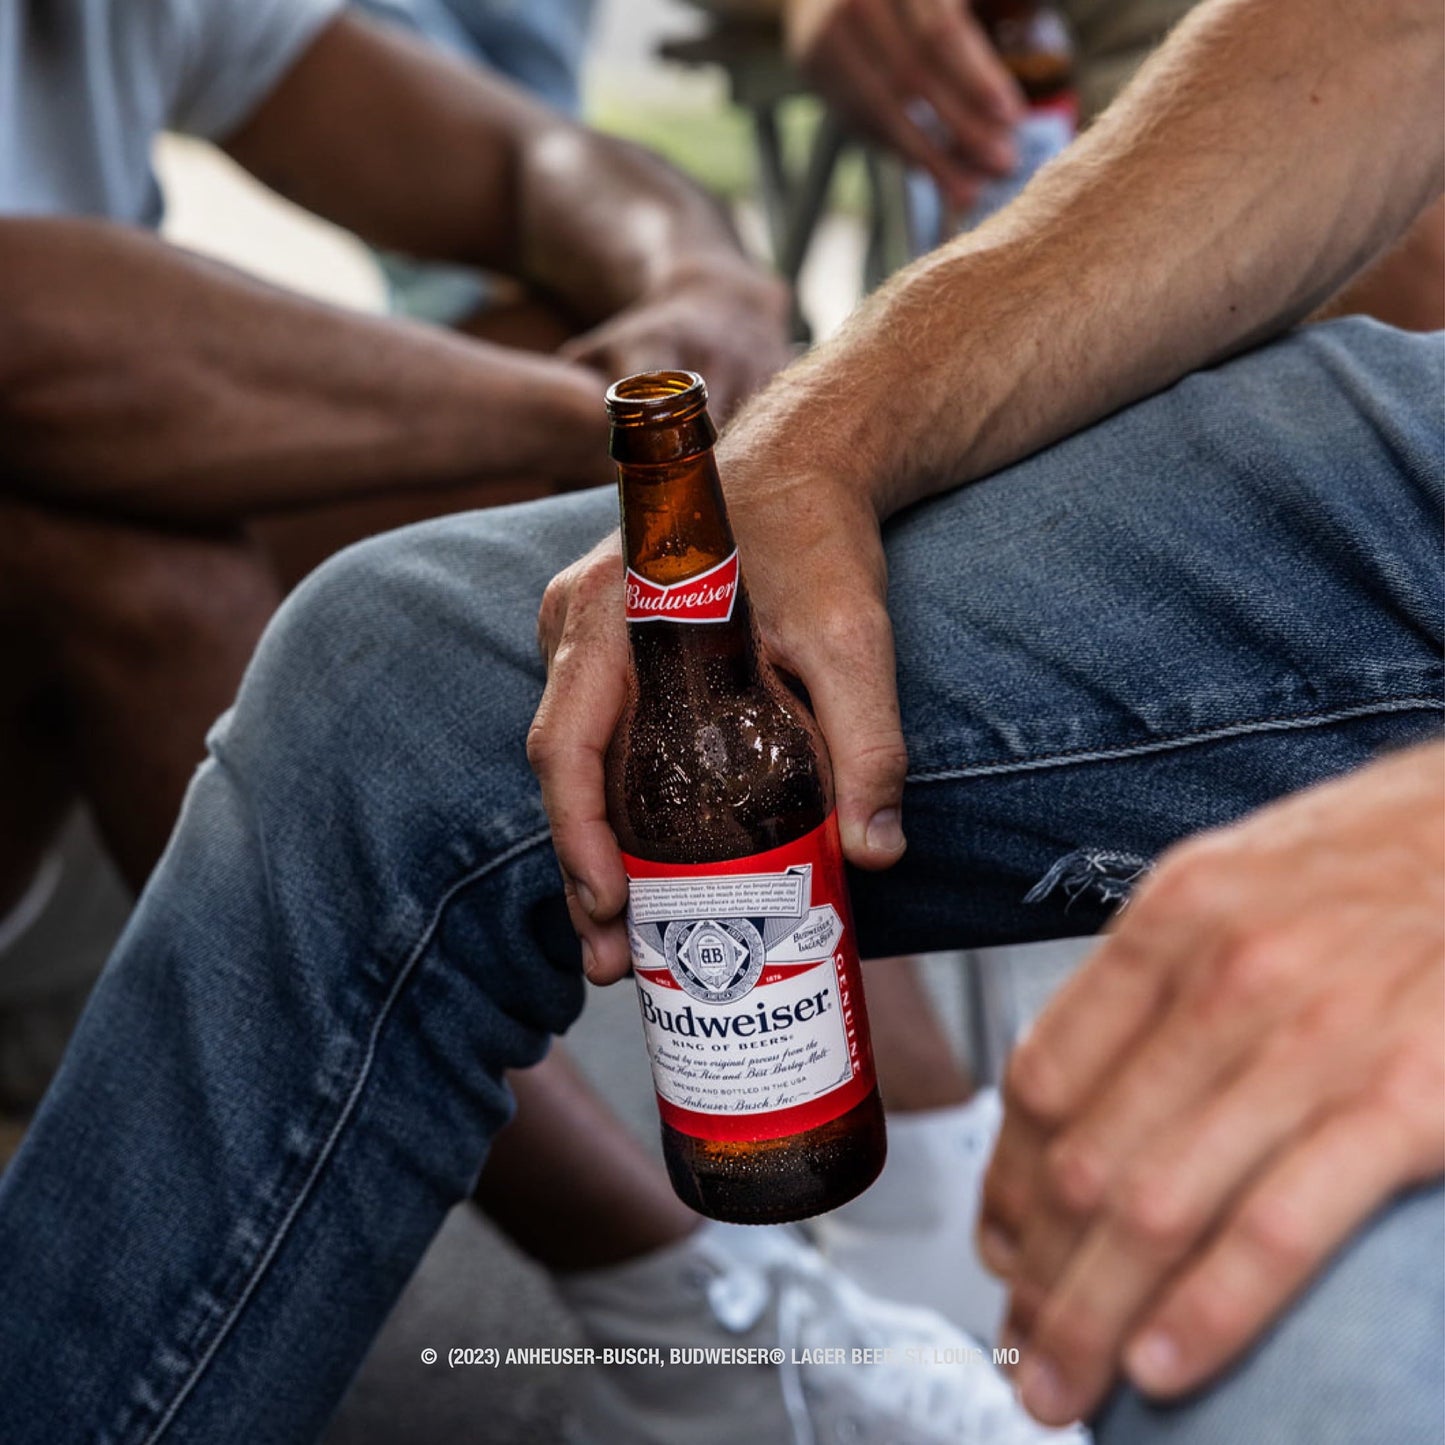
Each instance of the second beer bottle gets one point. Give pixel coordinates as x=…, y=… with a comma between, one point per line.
x=720, y=793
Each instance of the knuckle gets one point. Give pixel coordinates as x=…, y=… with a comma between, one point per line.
x=886, y=761
x=1075, y=1173
x=931, y=21
x=553, y=609
x=1414, y=1074
x=1151, y=1209
x=1186, y=883
x=856, y=632
x=541, y=746
x=1252, y=970
x=1275, y=1233
x=1033, y=1082
x=1406, y=1094
x=1127, y=953
x=594, y=581
x=1322, y=1026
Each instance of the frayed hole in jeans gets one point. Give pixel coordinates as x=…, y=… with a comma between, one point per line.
x=1091, y=873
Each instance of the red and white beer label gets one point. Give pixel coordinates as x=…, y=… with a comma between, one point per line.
x=751, y=996
x=707, y=597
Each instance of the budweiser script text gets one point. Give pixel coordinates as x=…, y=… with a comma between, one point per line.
x=707, y=597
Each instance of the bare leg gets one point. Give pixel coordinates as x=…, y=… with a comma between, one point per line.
x=567, y=1182
x=136, y=640
x=570, y=1186
x=917, y=1066
x=910, y=1237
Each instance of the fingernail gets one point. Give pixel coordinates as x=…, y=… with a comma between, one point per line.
x=587, y=898
x=885, y=831
x=1042, y=1390
x=997, y=1250
x=1153, y=1361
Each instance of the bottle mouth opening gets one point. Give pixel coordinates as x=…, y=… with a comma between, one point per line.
x=648, y=398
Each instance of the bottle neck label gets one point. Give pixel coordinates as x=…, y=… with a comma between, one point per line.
x=707, y=597
x=752, y=999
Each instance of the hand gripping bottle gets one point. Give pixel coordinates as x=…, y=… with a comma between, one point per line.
x=720, y=793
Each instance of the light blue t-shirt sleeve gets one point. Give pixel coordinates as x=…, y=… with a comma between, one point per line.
x=233, y=52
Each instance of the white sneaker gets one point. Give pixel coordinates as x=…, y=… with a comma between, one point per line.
x=910, y=1236
x=800, y=1321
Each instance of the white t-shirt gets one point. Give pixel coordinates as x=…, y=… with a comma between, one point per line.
x=85, y=85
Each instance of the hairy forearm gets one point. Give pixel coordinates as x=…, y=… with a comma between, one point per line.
x=461, y=166
x=1269, y=150
x=139, y=379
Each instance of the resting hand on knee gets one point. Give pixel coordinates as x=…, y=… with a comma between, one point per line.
x=1247, y=1068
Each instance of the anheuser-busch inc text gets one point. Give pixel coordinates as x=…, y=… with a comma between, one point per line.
x=495, y=1356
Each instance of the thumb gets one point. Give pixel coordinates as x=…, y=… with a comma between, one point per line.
x=849, y=673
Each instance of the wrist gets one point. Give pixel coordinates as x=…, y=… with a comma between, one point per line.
x=534, y=416
x=816, y=429
x=573, y=422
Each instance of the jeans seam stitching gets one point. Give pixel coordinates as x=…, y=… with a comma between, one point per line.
x=328, y=1147
x=1283, y=723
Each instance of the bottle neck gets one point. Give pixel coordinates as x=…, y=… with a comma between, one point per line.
x=684, y=590
x=674, y=519
x=686, y=607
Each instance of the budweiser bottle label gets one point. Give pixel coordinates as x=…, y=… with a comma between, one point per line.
x=752, y=1004
x=707, y=597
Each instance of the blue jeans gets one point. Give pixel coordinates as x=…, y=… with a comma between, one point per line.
x=292, y=1065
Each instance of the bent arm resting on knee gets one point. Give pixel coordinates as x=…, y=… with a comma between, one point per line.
x=461, y=166
x=142, y=380
x=1268, y=151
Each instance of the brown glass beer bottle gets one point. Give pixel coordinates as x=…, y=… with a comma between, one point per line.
x=1032, y=39
x=720, y=792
